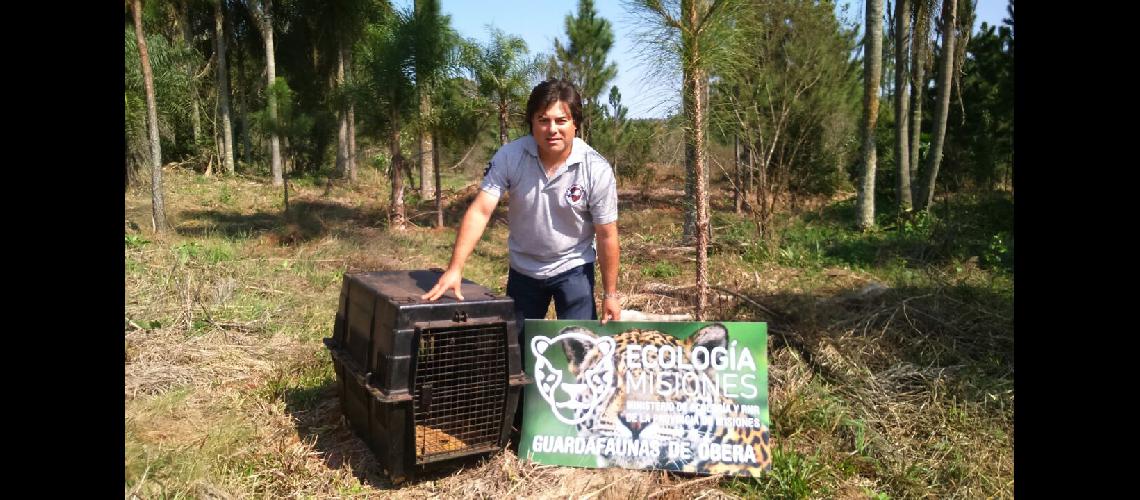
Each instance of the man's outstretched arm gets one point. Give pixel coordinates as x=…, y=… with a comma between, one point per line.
x=474, y=222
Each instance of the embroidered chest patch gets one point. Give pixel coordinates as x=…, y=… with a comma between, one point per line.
x=575, y=193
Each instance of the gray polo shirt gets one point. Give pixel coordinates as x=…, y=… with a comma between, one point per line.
x=552, y=219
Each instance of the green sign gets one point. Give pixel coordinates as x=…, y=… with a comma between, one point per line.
x=689, y=397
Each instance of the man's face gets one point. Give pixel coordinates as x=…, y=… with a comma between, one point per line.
x=553, y=129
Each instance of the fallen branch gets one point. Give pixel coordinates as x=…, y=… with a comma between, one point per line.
x=266, y=290
x=749, y=300
x=668, y=290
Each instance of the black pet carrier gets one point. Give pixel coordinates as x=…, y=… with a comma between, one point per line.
x=423, y=382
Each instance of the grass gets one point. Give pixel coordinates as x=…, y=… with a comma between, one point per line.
x=890, y=363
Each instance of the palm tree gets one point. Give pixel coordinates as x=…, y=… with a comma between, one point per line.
x=158, y=212
x=872, y=71
x=432, y=41
x=388, y=59
x=503, y=73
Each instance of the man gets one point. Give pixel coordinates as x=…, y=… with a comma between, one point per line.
x=562, y=195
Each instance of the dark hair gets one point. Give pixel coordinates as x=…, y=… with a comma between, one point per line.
x=549, y=92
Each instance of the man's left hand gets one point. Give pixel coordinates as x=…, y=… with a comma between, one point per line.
x=611, y=309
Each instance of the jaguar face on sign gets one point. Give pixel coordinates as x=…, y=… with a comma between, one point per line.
x=595, y=385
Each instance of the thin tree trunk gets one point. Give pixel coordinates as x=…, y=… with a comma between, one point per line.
x=763, y=191
x=704, y=231
x=351, y=143
x=902, y=153
x=157, y=207
x=614, y=137
x=427, y=11
x=285, y=173
x=342, y=117
x=265, y=18
x=188, y=40
x=921, y=46
x=195, y=113
x=502, y=123
x=688, y=202
x=439, y=191
x=949, y=13
x=738, y=178
x=426, y=163
x=219, y=146
x=396, y=204
x=227, y=145
x=351, y=120
x=748, y=175
x=241, y=91
x=694, y=89
x=872, y=71
x=887, y=76
x=426, y=151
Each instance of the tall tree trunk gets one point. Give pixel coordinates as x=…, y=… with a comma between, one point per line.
x=427, y=11
x=264, y=15
x=426, y=151
x=396, y=203
x=439, y=192
x=737, y=175
x=502, y=122
x=241, y=93
x=765, y=197
x=285, y=174
x=342, y=116
x=351, y=121
x=157, y=207
x=704, y=231
x=195, y=112
x=227, y=145
x=949, y=13
x=750, y=169
x=902, y=139
x=872, y=71
x=188, y=40
x=694, y=93
x=921, y=46
x=351, y=143
x=688, y=202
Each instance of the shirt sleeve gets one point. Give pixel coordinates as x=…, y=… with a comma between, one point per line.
x=603, y=207
x=495, y=176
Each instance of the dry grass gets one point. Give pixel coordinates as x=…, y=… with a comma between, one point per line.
x=229, y=393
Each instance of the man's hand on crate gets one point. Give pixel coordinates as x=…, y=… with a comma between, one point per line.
x=450, y=280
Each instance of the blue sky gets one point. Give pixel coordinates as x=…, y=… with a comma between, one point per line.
x=539, y=22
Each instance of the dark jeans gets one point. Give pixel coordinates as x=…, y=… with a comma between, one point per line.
x=573, y=294
x=572, y=291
